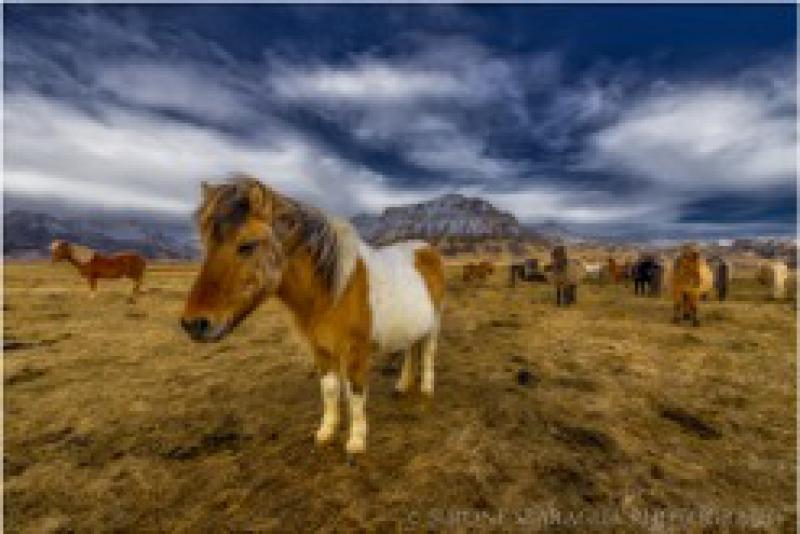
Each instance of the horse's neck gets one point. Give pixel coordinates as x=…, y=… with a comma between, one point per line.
x=302, y=290
x=80, y=256
x=78, y=264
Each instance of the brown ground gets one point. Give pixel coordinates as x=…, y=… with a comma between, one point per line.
x=601, y=417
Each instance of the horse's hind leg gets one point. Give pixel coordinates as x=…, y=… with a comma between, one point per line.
x=428, y=349
x=407, y=370
x=92, y=287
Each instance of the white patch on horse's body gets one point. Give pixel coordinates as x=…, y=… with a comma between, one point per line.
x=401, y=307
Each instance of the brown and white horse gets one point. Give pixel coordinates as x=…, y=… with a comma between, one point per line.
x=92, y=265
x=347, y=297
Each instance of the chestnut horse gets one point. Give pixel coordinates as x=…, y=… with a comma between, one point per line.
x=92, y=265
x=690, y=281
x=346, y=297
x=477, y=271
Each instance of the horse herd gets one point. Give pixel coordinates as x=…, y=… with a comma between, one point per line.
x=350, y=299
x=691, y=277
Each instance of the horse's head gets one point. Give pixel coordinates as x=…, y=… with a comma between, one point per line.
x=244, y=227
x=59, y=250
x=689, y=259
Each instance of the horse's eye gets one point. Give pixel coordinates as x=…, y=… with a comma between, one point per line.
x=247, y=249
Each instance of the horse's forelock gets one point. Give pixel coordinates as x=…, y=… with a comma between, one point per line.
x=230, y=204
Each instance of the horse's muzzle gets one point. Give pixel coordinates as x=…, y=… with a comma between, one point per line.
x=201, y=329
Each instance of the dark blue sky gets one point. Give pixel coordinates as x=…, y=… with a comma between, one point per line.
x=662, y=117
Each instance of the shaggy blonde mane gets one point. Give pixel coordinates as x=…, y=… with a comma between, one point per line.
x=332, y=242
x=81, y=253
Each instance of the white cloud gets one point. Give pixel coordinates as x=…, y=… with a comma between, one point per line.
x=123, y=158
x=187, y=88
x=447, y=106
x=418, y=103
x=369, y=81
x=702, y=139
x=537, y=204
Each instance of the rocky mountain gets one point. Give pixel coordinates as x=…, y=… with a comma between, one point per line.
x=450, y=216
x=28, y=234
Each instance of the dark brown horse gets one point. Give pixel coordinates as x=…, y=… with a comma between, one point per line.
x=93, y=265
x=566, y=275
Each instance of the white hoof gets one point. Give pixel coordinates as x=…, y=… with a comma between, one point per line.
x=356, y=445
x=324, y=435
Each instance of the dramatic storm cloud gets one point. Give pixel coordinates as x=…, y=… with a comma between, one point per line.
x=355, y=108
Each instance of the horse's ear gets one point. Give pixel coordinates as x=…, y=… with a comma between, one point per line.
x=259, y=198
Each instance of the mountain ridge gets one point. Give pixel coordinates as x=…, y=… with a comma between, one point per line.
x=28, y=234
x=448, y=218
x=452, y=215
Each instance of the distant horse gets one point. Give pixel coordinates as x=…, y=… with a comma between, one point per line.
x=594, y=271
x=92, y=265
x=346, y=296
x=527, y=271
x=646, y=276
x=688, y=283
x=773, y=274
x=722, y=272
x=477, y=271
x=566, y=274
x=615, y=272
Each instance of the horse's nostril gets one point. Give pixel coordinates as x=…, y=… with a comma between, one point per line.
x=202, y=324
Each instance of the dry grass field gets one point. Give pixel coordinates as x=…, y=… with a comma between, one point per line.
x=601, y=417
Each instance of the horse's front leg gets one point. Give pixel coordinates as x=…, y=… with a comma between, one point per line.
x=357, y=375
x=92, y=286
x=330, y=387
